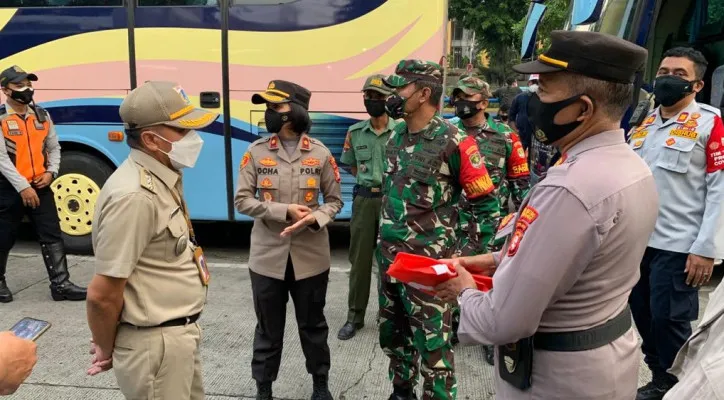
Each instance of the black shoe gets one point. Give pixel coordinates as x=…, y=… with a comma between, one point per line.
x=400, y=393
x=6, y=296
x=321, y=388
x=489, y=354
x=349, y=330
x=654, y=390
x=61, y=288
x=264, y=391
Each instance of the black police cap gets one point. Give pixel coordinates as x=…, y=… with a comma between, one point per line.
x=283, y=92
x=15, y=74
x=593, y=54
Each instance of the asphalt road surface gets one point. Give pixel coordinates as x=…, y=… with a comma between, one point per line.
x=359, y=368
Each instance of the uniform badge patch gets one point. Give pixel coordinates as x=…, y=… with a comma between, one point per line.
x=691, y=124
x=639, y=135
x=245, y=159
x=540, y=135
x=268, y=196
x=268, y=162
x=528, y=215
x=521, y=152
x=311, y=162
x=309, y=196
x=714, y=145
x=515, y=242
x=505, y=221
x=333, y=163
x=305, y=144
x=683, y=133
x=476, y=160
x=682, y=117
x=266, y=183
x=695, y=116
x=311, y=182
x=638, y=144
x=273, y=143
x=347, y=142
x=13, y=125
x=670, y=141
x=650, y=120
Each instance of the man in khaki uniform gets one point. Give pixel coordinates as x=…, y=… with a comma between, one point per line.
x=281, y=178
x=558, y=311
x=151, y=277
x=364, y=151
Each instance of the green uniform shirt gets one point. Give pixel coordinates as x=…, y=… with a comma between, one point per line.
x=365, y=150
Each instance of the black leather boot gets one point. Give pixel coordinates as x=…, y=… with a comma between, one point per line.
x=61, y=288
x=402, y=393
x=6, y=296
x=264, y=391
x=321, y=388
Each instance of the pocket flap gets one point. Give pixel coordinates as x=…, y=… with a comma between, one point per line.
x=177, y=224
x=267, y=182
x=362, y=154
x=308, y=182
x=679, y=144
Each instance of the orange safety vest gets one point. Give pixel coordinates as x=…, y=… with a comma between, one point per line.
x=25, y=142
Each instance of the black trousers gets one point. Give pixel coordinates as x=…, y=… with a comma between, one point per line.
x=663, y=306
x=44, y=218
x=270, y=304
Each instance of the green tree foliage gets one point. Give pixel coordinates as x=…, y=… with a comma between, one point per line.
x=555, y=16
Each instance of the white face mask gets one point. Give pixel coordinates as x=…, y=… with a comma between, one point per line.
x=185, y=152
x=533, y=88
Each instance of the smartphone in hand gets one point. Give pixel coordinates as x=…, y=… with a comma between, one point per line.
x=30, y=328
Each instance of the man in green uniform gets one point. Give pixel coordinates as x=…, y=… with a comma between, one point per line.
x=429, y=164
x=364, y=152
x=506, y=163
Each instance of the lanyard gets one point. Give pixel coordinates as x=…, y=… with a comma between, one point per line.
x=182, y=205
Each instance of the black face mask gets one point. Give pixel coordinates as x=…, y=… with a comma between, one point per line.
x=542, y=115
x=395, y=106
x=274, y=120
x=465, y=109
x=22, y=97
x=375, y=108
x=670, y=89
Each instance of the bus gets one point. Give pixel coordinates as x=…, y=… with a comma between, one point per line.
x=657, y=25
x=88, y=54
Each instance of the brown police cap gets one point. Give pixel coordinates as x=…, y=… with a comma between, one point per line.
x=163, y=103
x=283, y=92
x=593, y=54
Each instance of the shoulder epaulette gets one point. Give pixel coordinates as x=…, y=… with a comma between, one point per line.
x=40, y=112
x=316, y=141
x=355, y=126
x=259, y=141
x=710, y=109
x=145, y=178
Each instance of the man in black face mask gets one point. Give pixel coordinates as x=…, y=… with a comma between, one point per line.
x=682, y=143
x=364, y=152
x=29, y=161
x=563, y=278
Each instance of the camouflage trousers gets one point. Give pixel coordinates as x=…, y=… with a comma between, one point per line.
x=415, y=325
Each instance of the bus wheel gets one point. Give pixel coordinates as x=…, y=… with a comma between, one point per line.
x=76, y=190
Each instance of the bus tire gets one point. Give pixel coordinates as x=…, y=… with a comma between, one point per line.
x=76, y=189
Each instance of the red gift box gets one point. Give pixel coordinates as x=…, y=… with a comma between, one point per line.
x=425, y=273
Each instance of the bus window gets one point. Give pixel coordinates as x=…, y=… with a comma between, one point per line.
x=60, y=3
x=586, y=11
x=259, y=2
x=175, y=3
x=535, y=15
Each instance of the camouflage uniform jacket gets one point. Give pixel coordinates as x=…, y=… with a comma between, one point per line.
x=506, y=162
x=425, y=174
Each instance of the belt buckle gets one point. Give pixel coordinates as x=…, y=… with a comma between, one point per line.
x=375, y=190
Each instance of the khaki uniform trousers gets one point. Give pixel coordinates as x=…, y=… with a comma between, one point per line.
x=159, y=363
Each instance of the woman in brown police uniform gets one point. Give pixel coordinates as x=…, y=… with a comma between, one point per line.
x=280, y=180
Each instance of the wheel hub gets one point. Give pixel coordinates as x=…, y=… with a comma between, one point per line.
x=75, y=198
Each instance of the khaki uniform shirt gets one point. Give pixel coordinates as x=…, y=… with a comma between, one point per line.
x=570, y=265
x=140, y=234
x=269, y=180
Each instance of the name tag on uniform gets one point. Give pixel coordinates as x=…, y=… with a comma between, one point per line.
x=200, y=260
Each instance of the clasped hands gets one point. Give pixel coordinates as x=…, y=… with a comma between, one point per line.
x=301, y=216
x=449, y=290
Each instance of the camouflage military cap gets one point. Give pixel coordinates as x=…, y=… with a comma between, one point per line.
x=409, y=71
x=376, y=83
x=471, y=85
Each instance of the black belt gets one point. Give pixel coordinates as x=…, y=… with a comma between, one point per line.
x=174, y=322
x=369, y=192
x=588, y=339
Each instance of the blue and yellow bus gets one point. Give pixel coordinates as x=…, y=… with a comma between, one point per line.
x=89, y=54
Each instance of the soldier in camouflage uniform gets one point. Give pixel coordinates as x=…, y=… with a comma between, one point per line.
x=428, y=164
x=508, y=168
x=504, y=158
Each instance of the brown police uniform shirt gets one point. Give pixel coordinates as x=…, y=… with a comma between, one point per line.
x=269, y=180
x=570, y=264
x=140, y=233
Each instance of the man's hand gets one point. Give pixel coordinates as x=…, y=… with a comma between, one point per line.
x=449, y=290
x=30, y=198
x=483, y=264
x=17, y=359
x=43, y=180
x=101, y=361
x=296, y=212
x=699, y=270
x=308, y=220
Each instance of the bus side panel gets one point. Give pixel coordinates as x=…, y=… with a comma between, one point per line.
x=332, y=58
x=190, y=55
